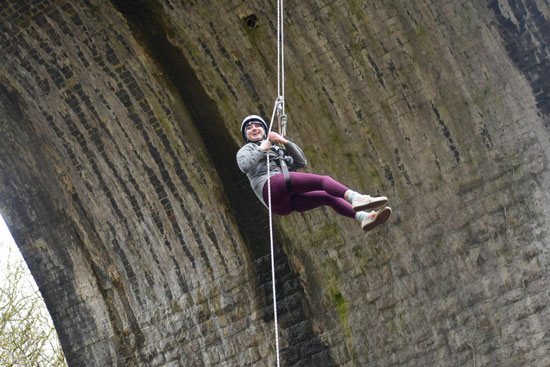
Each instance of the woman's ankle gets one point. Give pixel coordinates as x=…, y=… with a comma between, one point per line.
x=350, y=195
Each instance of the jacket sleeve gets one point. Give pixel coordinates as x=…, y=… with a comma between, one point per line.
x=248, y=157
x=297, y=154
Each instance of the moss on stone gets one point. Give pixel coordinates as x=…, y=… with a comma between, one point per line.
x=375, y=176
x=341, y=305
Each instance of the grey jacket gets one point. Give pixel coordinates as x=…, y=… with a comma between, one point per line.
x=253, y=161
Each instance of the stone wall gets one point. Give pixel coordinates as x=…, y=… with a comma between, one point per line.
x=117, y=178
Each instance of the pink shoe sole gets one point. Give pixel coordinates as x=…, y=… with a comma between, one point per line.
x=380, y=218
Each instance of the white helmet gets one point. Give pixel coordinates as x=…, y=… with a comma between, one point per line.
x=252, y=119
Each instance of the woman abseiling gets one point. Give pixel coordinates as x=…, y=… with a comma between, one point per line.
x=308, y=190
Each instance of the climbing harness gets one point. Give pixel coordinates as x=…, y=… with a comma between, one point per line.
x=284, y=167
x=278, y=109
x=282, y=131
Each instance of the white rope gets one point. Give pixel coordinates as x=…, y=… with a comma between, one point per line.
x=280, y=55
x=278, y=48
x=278, y=101
x=279, y=108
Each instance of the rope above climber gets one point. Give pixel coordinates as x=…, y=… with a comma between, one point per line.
x=299, y=191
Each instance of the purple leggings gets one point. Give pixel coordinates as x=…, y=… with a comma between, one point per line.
x=309, y=191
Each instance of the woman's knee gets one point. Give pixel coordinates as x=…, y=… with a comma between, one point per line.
x=326, y=179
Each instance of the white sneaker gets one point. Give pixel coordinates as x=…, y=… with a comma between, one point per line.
x=364, y=202
x=374, y=219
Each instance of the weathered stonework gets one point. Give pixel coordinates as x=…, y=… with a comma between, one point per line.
x=119, y=124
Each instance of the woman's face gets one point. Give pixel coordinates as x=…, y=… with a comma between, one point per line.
x=254, y=132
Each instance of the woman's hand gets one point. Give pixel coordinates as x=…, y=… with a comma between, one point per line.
x=265, y=145
x=276, y=138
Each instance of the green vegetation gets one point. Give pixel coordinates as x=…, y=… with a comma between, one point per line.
x=342, y=307
x=27, y=334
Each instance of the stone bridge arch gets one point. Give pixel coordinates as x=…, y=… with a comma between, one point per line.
x=117, y=179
